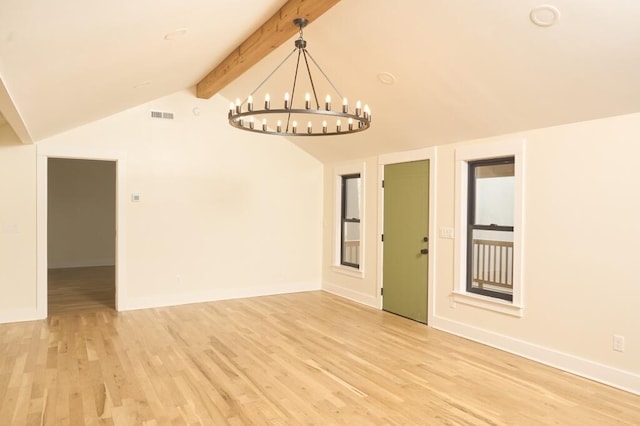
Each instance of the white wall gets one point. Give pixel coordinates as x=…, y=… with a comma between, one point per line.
x=81, y=213
x=581, y=285
x=223, y=213
x=17, y=228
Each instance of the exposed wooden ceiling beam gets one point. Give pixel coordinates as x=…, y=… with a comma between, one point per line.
x=12, y=117
x=275, y=31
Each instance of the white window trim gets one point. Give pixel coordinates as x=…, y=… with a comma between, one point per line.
x=480, y=151
x=338, y=172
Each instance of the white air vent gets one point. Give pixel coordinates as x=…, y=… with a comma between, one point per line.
x=160, y=114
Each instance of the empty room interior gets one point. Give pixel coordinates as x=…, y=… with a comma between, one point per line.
x=319, y=212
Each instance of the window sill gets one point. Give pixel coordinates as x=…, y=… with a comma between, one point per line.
x=488, y=303
x=347, y=270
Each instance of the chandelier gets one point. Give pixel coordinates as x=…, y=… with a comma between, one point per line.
x=298, y=116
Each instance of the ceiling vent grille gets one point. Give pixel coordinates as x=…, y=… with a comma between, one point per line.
x=160, y=114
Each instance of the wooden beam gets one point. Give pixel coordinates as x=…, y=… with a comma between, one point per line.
x=275, y=31
x=12, y=118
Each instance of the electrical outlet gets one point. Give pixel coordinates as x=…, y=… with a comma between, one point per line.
x=618, y=343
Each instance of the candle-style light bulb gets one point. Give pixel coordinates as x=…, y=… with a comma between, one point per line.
x=350, y=124
x=309, y=128
x=286, y=100
x=367, y=112
x=251, y=122
x=264, y=124
x=345, y=105
x=267, y=101
x=339, y=126
x=237, y=105
x=307, y=101
x=250, y=103
x=324, y=127
x=279, y=126
x=327, y=103
x=358, y=108
x=294, y=127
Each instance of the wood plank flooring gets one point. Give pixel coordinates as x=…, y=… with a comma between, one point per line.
x=78, y=289
x=306, y=358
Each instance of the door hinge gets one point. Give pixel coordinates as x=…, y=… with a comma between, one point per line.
x=382, y=237
x=383, y=183
x=381, y=291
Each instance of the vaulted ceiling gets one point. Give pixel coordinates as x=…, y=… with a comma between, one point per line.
x=458, y=69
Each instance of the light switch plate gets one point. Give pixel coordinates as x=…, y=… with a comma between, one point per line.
x=446, y=232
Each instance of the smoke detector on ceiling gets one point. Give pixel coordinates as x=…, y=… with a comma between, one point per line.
x=176, y=34
x=142, y=84
x=544, y=15
x=386, y=78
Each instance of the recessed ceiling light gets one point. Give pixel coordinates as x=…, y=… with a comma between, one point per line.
x=544, y=15
x=386, y=78
x=174, y=35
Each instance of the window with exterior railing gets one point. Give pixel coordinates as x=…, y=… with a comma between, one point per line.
x=350, y=221
x=489, y=225
x=490, y=228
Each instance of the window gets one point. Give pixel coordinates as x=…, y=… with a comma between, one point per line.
x=350, y=221
x=348, y=224
x=489, y=226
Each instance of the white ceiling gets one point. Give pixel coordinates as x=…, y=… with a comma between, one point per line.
x=464, y=69
x=69, y=62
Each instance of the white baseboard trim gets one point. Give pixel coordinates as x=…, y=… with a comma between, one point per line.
x=592, y=370
x=164, y=300
x=82, y=263
x=347, y=293
x=20, y=315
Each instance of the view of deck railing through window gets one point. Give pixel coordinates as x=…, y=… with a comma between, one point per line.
x=492, y=266
x=351, y=252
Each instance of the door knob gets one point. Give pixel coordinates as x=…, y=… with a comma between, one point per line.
x=425, y=239
x=424, y=251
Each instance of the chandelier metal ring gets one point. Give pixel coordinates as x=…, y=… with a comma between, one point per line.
x=243, y=121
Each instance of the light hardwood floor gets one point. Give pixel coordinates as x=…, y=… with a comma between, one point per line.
x=307, y=358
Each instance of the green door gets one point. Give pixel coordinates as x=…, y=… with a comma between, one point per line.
x=406, y=236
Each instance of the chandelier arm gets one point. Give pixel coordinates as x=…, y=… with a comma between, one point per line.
x=313, y=87
x=272, y=73
x=325, y=76
x=293, y=89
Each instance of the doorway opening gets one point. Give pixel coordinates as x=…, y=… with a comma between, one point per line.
x=81, y=235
